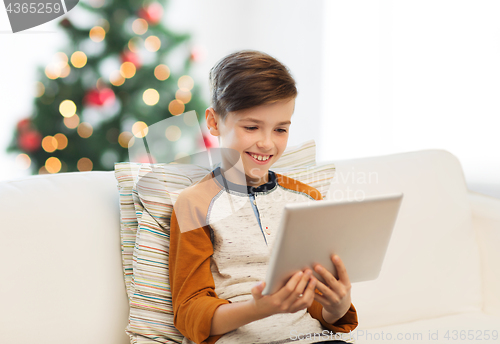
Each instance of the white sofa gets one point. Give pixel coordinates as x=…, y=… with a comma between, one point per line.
x=62, y=279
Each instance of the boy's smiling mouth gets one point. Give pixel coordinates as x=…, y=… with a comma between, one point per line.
x=259, y=158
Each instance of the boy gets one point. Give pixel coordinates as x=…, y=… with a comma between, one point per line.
x=223, y=227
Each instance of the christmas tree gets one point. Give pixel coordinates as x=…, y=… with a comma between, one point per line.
x=123, y=71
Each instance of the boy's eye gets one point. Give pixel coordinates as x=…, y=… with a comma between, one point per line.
x=255, y=128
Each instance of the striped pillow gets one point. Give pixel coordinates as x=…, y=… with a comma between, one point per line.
x=297, y=156
x=125, y=173
x=147, y=195
x=151, y=315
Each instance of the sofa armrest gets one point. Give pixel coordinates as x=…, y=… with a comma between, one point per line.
x=486, y=223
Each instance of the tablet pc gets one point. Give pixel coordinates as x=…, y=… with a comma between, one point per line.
x=309, y=232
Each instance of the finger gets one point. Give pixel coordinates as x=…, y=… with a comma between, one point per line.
x=327, y=292
x=307, y=296
x=321, y=299
x=311, y=287
x=257, y=290
x=329, y=279
x=341, y=270
x=301, y=286
x=289, y=287
x=333, y=295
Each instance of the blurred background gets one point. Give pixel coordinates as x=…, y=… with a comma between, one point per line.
x=374, y=78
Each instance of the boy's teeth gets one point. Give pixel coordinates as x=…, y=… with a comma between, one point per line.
x=260, y=157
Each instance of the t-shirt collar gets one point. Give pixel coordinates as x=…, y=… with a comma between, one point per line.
x=245, y=189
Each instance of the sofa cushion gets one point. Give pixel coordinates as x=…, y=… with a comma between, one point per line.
x=432, y=265
x=61, y=266
x=486, y=219
x=461, y=328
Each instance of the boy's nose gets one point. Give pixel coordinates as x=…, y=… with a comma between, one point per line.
x=265, y=142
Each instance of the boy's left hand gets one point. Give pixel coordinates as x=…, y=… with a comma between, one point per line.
x=336, y=298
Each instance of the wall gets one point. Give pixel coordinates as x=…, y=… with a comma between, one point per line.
x=410, y=75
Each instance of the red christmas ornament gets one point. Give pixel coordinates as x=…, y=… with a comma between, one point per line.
x=24, y=125
x=30, y=140
x=128, y=56
x=65, y=23
x=102, y=97
x=152, y=13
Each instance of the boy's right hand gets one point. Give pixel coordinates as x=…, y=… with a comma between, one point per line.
x=287, y=299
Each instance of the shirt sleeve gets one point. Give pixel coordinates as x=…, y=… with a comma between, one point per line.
x=345, y=324
x=192, y=285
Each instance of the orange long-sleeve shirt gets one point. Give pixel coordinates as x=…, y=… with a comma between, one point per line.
x=221, y=235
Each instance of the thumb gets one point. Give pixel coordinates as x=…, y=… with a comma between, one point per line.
x=258, y=288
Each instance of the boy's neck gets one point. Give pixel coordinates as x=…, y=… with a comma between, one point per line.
x=235, y=176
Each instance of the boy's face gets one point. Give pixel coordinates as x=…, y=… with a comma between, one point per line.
x=258, y=134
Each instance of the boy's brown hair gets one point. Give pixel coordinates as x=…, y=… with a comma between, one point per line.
x=249, y=78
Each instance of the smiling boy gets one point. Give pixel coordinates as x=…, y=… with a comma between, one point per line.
x=223, y=227
x=259, y=135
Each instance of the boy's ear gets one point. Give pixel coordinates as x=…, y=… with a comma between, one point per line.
x=212, y=119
